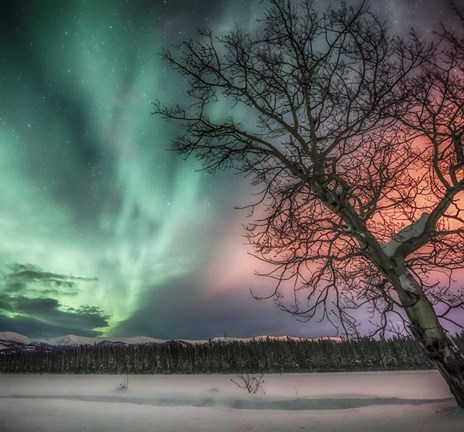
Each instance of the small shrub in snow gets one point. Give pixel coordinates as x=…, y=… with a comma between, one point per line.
x=251, y=383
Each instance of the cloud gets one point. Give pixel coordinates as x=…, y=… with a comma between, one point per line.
x=21, y=278
x=30, y=304
x=35, y=328
x=30, y=272
x=46, y=317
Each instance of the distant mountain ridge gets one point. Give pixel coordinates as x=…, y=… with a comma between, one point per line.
x=11, y=341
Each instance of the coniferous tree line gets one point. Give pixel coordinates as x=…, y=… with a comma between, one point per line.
x=264, y=356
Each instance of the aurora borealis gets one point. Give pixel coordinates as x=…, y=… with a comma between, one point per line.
x=103, y=230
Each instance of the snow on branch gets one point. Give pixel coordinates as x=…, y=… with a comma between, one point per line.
x=414, y=230
x=407, y=285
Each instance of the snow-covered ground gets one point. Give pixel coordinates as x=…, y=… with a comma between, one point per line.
x=342, y=402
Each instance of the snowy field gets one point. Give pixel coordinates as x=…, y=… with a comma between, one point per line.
x=331, y=402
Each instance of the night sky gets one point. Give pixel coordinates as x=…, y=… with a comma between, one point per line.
x=103, y=231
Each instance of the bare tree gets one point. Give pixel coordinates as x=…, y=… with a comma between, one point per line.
x=251, y=383
x=340, y=127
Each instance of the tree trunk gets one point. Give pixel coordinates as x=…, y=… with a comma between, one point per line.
x=440, y=349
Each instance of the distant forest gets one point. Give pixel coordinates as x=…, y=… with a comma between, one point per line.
x=264, y=356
